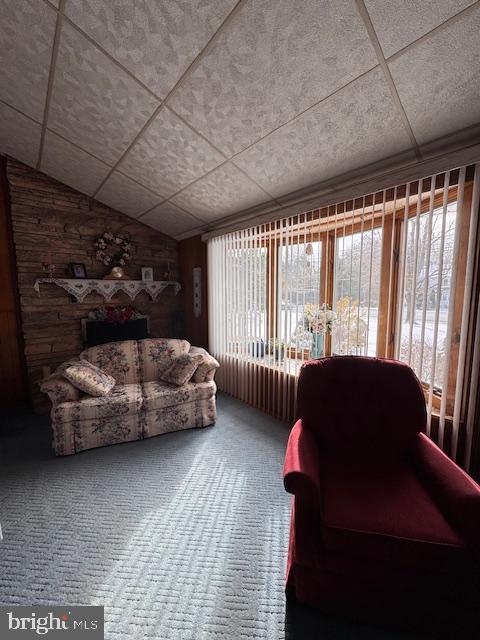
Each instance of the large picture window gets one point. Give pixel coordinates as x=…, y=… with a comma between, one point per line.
x=382, y=275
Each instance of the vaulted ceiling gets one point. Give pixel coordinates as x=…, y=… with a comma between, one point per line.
x=183, y=112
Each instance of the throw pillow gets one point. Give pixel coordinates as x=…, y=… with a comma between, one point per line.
x=88, y=378
x=182, y=369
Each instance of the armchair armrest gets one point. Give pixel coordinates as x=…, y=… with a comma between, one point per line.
x=207, y=368
x=301, y=469
x=455, y=492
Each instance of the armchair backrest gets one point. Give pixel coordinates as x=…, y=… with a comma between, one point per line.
x=361, y=407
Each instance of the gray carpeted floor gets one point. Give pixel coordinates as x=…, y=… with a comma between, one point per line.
x=182, y=536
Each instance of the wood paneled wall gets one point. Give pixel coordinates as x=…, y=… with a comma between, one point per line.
x=49, y=218
x=193, y=253
x=12, y=371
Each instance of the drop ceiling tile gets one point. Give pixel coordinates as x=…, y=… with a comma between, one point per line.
x=169, y=155
x=224, y=191
x=355, y=127
x=270, y=63
x=438, y=79
x=156, y=41
x=26, y=39
x=170, y=219
x=72, y=166
x=125, y=195
x=94, y=103
x=416, y=17
x=19, y=136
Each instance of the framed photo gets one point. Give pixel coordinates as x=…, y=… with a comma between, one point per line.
x=147, y=274
x=78, y=270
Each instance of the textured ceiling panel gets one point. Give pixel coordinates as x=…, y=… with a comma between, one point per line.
x=94, y=103
x=356, y=126
x=149, y=38
x=223, y=191
x=123, y=194
x=71, y=165
x=26, y=38
x=170, y=219
x=19, y=136
x=169, y=155
x=416, y=17
x=438, y=79
x=272, y=62
x=292, y=90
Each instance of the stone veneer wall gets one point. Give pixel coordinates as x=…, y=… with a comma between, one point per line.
x=49, y=217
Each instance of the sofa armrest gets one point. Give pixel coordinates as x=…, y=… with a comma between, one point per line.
x=454, y=491
x=59, y=389
x=206, y=370
x=301, y=468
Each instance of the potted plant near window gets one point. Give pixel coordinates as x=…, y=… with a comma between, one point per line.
x=277, y=348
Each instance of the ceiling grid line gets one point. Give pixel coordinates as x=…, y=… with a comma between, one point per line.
x=192, y=65
x=111, y=58
x=439, y=27
x=193, y=215
x=295, y=157
x=388, y=76
x=164, y=103
x=22, y=113
x=51, y=76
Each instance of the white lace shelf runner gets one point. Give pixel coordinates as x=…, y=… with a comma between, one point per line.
x=108, y=288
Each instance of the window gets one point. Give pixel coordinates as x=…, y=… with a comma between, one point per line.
x=299, y=273
x=426, y=298
x=357, y=292
x=381, y=275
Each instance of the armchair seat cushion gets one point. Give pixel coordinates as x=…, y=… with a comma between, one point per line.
x=387, y=515
x=158, y=395
x=121, y=401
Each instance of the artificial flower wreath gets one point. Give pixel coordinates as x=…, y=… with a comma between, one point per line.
x=113, y=250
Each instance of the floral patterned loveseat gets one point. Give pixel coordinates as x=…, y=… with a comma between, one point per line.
x=140, y=405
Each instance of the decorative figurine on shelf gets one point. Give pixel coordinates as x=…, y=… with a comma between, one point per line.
x=48, y=267
x=113, y=251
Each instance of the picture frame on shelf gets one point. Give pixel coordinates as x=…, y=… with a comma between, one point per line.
x=147, y=274
x=78, y=270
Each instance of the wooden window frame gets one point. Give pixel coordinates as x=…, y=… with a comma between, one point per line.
x=387, y=328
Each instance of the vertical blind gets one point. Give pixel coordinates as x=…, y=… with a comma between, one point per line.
x=388, y=274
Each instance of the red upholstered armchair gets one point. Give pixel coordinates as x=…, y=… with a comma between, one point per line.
x=385, y=527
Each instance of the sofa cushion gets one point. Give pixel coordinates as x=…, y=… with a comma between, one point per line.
x=387, y=515
x=158, y=395
x=157, y=354
x=207, y=367
x=122, y=400
x=88, y=378
x=119, y=359
x=182, y=369
x=60, y=390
